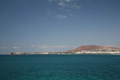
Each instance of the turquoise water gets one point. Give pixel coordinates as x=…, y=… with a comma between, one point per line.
x=59, y=67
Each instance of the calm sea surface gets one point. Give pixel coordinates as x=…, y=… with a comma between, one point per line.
x=59, y=67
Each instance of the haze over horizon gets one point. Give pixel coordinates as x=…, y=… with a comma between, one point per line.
x=58, y=25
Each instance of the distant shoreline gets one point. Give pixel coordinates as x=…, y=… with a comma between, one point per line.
x=66, y=54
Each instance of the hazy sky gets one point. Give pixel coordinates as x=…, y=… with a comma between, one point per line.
x=57, y=25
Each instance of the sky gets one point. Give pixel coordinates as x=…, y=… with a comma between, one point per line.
x=58, y=25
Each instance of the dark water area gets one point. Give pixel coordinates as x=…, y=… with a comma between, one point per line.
x=59, y=67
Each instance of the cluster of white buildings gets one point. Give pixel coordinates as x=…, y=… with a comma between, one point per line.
x=102, y=51
x=22, y=53
x=97, y=52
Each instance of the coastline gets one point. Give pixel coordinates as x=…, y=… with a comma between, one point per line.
x=62, y=53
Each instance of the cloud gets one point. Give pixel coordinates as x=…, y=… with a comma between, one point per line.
x=48, y=46
x=15, y=47
x=3, y=47
x=50, y=0
x=52, y=46
x=68, y=0
x=64, y=6
x=66, y=3
x=75, y=6
x=60, y=0
x=49, y=12
x=32, y=45
x=61, y=16
x=114, y=44
x=61, y=4
x=43, y=47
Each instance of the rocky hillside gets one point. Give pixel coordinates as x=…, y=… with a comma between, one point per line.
x=93, y=48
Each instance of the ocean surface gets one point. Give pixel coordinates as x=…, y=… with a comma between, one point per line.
x=59, y=67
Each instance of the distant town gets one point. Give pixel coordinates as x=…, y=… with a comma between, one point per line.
x=88, y=49
x=80, y=52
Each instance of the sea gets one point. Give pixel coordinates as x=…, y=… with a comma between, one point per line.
x=59, y=67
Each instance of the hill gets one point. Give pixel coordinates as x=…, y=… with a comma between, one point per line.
x=95, y=48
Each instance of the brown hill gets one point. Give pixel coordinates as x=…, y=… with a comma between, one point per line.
x=93, y=47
